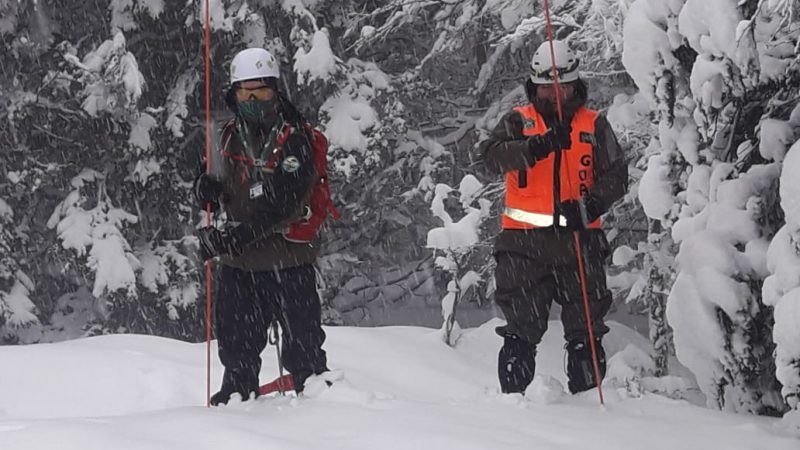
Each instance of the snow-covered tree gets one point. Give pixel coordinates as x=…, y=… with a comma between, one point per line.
x=453, y=243
x=118, y=91
x=16, y=308
x=85, y=148
x=715, y=72
x=781, y=286
x=659, y=63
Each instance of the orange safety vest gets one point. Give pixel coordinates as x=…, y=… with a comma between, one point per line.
x=530, y=202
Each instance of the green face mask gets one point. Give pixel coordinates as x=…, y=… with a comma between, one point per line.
x=258, y=111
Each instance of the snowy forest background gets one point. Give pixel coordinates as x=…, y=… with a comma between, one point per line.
x=101, y=134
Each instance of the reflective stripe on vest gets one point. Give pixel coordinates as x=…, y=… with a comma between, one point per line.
x=535, y=219
x=532, y=202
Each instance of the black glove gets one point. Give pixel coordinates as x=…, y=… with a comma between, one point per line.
x=580, y=213
x=556, y=138
x=214, y=242
x=514, y=126
x=571, y=210
x=593, y=208
x=207, y=190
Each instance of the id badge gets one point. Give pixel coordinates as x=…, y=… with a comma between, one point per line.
x=256, y=190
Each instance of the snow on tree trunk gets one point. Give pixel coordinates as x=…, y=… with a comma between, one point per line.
x=655, y=295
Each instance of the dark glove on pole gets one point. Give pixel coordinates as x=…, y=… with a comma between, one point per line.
x=214, y=242
x=580, y=213
x=571, y=210
x=207, y=190
x=556, y=138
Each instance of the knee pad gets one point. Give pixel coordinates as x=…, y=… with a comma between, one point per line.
x=516, y=364
x=580, y=367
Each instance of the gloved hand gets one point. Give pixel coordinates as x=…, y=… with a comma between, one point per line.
x=593, y=208
x=580, y=213
x=214, y=242
x=571, y=210
x=556, y=138
x=207, y=190
x=514, y=126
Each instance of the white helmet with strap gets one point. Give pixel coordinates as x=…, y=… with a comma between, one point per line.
x=253, y=64
x=542, y=64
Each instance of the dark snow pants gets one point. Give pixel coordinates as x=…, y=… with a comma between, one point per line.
x=247, y=303
x=526, y=288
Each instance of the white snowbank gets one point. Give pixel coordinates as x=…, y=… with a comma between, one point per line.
x=401, y=388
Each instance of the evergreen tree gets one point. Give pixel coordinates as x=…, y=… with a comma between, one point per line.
x=714, y=79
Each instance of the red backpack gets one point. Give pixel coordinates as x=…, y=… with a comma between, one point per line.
x=320, y=203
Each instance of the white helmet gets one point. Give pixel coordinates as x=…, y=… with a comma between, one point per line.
x=252, y=64
x=542, y=64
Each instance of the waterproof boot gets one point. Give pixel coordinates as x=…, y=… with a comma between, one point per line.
x=580, y=368
x=242, y=381
x=515, y=364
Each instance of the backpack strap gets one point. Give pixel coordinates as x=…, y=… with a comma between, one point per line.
x=230, y=129
x=227, y=134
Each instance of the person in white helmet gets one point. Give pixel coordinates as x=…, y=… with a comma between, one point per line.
x=560, y=177
x=267, y=175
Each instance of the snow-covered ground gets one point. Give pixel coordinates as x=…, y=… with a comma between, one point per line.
x=399, y=388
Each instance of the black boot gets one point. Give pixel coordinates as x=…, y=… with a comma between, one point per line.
x=515, y=364
x=580, y=368
x=242, y=381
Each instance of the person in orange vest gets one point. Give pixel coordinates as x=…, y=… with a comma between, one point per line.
x=560, y=176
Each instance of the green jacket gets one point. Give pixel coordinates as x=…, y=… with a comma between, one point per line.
x=261, y=203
